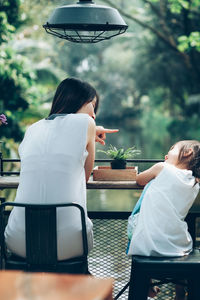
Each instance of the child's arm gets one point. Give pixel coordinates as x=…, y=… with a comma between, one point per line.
x=144, y=177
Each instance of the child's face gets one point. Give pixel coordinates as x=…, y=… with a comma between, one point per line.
x=172, y=156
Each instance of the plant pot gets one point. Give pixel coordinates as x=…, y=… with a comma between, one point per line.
x=118, y=164
x=105, y=173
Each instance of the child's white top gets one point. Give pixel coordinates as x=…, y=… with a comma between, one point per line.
x=161, y=229
x=53, y=154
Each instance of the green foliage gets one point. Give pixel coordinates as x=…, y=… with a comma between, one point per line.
x=121, y=154
x=145, y=78
x=189, y=9
x=166, y=72
x=177, y=5
x=5, y=28
x=12, y=10
x=186, y=43
x=16, y=76
x=16, y=80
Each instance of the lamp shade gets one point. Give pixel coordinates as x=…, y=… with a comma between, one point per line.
x=85, y=22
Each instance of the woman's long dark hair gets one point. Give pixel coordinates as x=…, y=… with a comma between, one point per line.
x=70, y=96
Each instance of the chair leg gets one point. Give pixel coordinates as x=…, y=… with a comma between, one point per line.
x=139, y=285
x=194, y=289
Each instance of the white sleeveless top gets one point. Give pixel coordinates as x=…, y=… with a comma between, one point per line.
x=161, y=229
x=53, y=154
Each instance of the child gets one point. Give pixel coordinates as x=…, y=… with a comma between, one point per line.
x=159, y=228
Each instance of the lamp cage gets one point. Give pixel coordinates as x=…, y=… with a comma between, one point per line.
x=85, y=22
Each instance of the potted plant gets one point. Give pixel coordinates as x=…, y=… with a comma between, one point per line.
x=119, y=156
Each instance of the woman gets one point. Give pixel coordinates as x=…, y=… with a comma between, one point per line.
x=57, y=156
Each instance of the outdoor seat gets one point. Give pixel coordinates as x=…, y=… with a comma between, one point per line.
x=167, y=269
x=41, y=241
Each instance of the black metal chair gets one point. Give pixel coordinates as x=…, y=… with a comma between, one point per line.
x=167, y=269
x=41, y=241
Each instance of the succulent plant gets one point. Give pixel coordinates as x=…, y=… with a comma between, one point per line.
x=121, y=154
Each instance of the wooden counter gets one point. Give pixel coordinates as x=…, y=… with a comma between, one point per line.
x=12, y=182
x=15, y=285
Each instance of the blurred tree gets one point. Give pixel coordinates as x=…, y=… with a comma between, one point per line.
x=144, y=77
x=27, y=75
x=16, y=77
x=167, y=58
x=95, y=63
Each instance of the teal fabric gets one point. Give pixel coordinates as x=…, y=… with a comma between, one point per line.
x=138, y=206
x=139, y=202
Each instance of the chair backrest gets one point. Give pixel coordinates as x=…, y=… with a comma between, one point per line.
x=41, y=232
x=41, y=237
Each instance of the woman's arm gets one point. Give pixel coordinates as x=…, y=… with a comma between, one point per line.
x=89, y=163
x=144, y=177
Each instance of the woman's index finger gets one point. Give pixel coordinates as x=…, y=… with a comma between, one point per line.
x=110, y=130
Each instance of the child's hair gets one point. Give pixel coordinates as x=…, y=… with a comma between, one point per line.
x=71, y=95
x=193, y=160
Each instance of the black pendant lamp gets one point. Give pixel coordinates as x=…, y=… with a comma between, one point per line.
x=85, y=22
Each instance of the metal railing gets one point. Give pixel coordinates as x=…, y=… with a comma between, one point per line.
x=7, y=160
x=16, y=160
